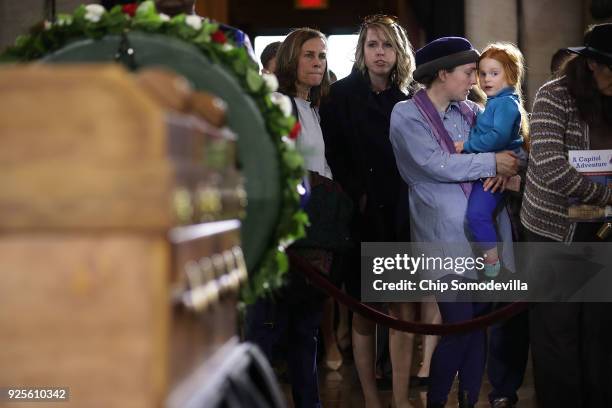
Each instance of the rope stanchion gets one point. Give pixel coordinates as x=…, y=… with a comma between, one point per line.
x=412, y=327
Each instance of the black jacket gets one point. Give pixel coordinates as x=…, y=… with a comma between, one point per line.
x=355, y=124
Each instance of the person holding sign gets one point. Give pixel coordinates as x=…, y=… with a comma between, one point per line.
x=571, y=343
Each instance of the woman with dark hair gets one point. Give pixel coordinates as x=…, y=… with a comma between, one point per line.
x=355, y=122
x=301, y=66
x=571, y=343
x=268, y=57
x=557, y=60
x=301, y=69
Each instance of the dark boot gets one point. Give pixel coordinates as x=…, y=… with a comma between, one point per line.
x=464, y=401
x=502, y=403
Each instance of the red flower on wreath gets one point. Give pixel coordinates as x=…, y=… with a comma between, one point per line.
x=295, y=131
x=219, y=37
x=129, y=9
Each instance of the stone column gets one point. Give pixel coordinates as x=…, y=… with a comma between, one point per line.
x=547, y=26
x=543, y=27
x=488, y=21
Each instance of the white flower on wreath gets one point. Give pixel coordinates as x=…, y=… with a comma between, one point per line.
x=227, y=47
x=283, y=102
x=194, y=22
x=47, y=25
x=288, y=141
x=94, y=12
x=164, y=17
x=271, y=81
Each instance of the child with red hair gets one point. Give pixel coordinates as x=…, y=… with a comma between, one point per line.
x=502, y=126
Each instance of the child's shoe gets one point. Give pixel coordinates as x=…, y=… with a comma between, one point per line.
x=492, y=270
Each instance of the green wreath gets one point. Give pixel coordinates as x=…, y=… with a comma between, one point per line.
x=93, y=21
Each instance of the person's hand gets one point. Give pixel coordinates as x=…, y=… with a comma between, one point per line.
x=458, y=147
x=495, y=184
x=514, y=183
x=507, y=163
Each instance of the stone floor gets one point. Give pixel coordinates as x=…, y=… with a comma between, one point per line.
x=341, y=389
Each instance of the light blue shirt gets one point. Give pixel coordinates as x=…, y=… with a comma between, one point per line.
x=437, y=202
x=497, y=128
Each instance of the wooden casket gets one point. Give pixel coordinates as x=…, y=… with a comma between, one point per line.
x=111, y=284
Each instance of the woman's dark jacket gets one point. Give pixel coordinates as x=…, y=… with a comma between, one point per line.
x=355, y=124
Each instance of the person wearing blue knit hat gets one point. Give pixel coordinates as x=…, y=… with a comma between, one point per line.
x=443, y=53
x=423, y=132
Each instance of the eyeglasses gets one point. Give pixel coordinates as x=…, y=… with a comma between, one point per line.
x=380, y=19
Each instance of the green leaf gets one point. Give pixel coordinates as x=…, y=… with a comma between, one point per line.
x=79, y=13
x=114, y=21
x=240, y=67
x=254, y=80
x=146, y=10
x=149, y=24
x=203, y=37
x=180, y=29
x=22, y=41
x=38, y=44
x=179, y=19
x=209, y=28
x=282, y=261
x=293, y=159
x=146, y=17
x=301, y=217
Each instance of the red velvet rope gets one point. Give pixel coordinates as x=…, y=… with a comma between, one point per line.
x=378, y=317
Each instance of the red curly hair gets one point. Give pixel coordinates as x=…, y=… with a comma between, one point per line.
x=513, y=63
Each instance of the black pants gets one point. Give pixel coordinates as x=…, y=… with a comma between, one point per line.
x=268, y=323
x=508, y=353
x=571, y=345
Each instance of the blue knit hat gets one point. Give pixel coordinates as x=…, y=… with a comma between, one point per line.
x=443, y=53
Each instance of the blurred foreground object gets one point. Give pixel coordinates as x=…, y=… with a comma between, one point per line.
x=112, y=285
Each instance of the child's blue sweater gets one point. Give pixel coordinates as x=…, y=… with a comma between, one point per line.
x=497, y=128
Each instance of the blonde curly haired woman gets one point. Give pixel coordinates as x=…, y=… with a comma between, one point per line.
x=355, y=123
